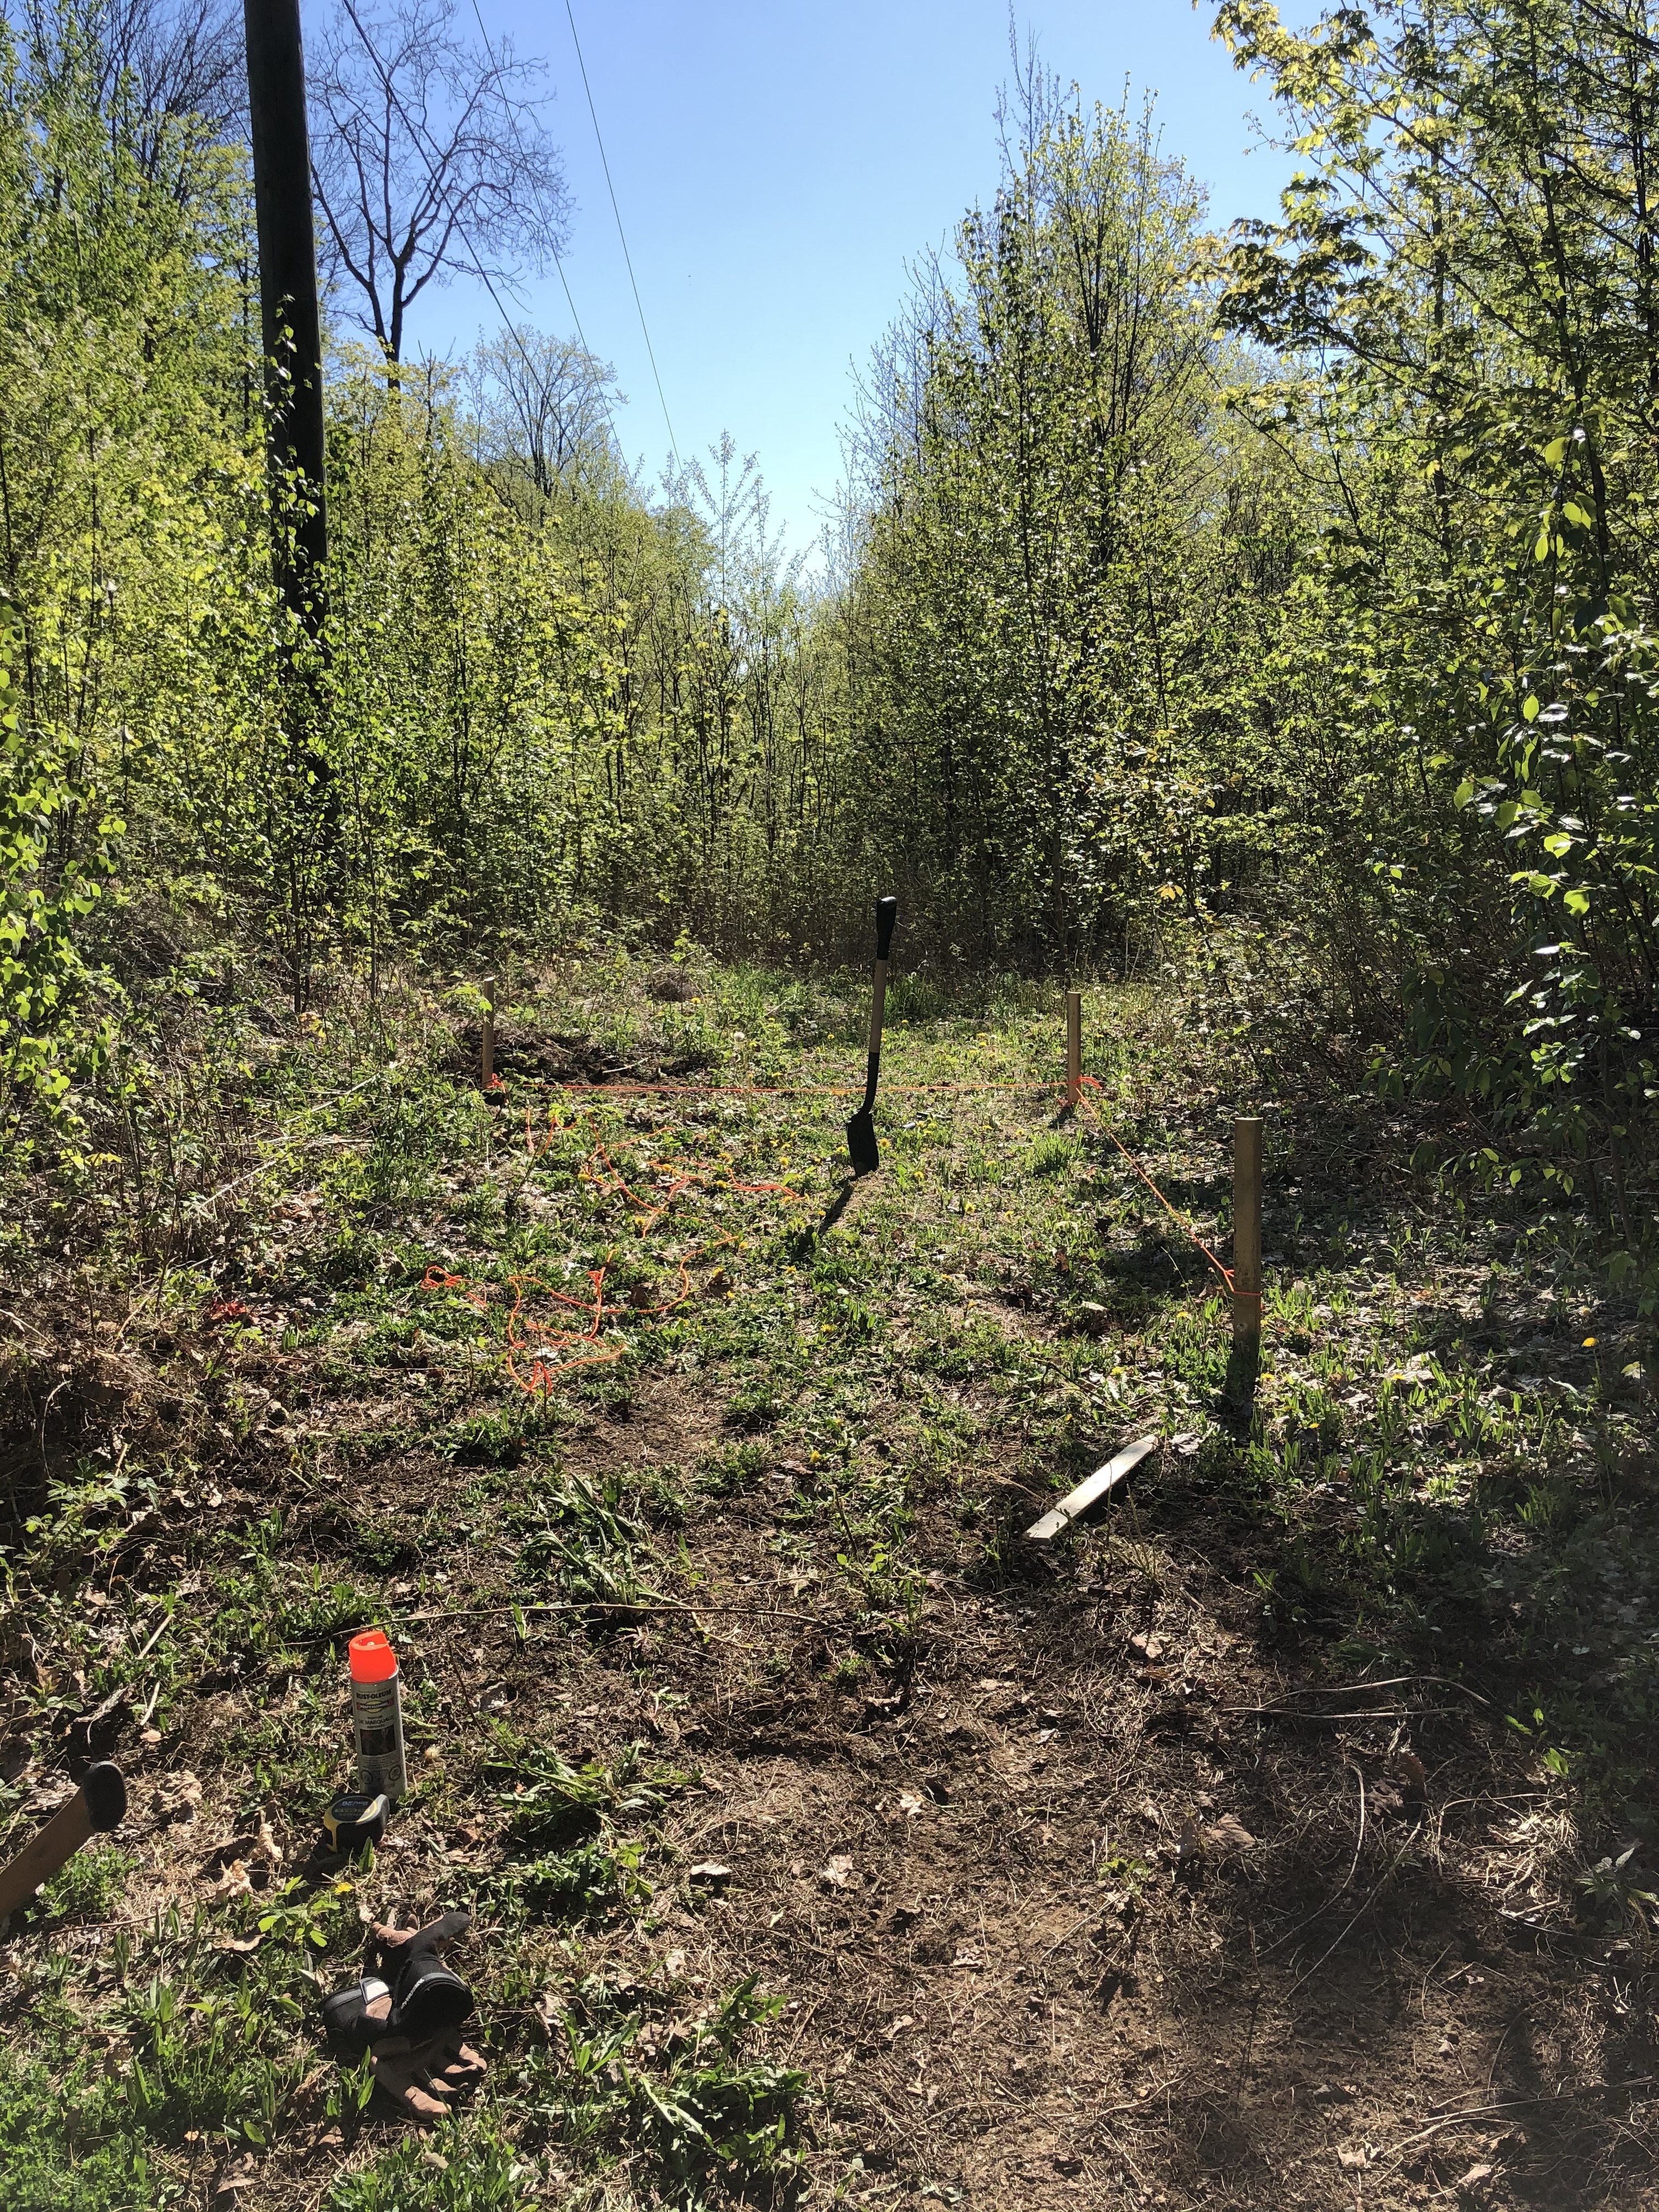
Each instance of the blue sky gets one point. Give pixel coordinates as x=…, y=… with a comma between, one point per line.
x=777, y=165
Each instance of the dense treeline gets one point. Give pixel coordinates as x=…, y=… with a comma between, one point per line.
x=1464, y=291
x=1073, y=558
x=545, y=698
x=1291, y=589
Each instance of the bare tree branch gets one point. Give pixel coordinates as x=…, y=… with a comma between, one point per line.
x=155, y=63
x=428, y=157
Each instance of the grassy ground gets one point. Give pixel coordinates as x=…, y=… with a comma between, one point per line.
x=1265, y=1843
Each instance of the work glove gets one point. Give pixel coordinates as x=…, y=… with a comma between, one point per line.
x=426, y=2079
x=413, y=1996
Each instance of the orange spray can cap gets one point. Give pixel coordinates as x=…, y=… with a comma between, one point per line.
x=373, y=1659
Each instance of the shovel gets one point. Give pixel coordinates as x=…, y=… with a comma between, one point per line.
x=861, y=1130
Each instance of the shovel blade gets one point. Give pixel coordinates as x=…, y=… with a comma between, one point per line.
x=862, y=1143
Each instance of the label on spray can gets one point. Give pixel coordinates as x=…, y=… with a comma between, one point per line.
x=377, y=1716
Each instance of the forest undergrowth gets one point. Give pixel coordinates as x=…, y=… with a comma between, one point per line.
x=1285, y=1837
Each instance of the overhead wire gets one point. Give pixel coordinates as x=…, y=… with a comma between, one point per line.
x=423, y=141
x=620, y=233
x=558, y=262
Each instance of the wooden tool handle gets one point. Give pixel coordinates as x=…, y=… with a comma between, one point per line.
x=97, y=1805
x=1247, y=1229
x=877, y=1009
x=886, y=914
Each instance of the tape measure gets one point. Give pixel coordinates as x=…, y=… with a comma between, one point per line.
x=352, y=1824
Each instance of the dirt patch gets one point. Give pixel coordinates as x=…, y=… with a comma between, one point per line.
x=1276, y=1841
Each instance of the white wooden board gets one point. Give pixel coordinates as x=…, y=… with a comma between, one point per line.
x=1090, y=1492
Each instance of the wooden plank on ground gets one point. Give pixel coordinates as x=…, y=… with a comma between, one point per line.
x=1076, y=1503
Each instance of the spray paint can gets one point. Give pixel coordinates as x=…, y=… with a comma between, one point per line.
x=377, y=1715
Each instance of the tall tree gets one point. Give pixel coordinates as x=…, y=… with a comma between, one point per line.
x=152, y=67
x=544, y=406
x=1042, y=578
x=1464, y=290
x=429, y=157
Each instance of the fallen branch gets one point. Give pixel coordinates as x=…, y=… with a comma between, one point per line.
x=1514, y=2105
x=1350, y=1690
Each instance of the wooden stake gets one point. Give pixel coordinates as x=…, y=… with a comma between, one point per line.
x=1100, y=1484
x=1073, y=1047
x=1247, y=1233
x=486, y=1041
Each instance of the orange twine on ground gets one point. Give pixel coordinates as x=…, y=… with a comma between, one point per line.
x=682, y=1176
x=889, y=1089
x=1182, y=1223
x=543, y=1366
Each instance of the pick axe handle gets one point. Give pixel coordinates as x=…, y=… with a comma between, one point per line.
x=55, y=1844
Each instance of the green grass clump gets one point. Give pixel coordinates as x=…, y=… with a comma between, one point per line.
x=466, y=2165
x=55, y=2155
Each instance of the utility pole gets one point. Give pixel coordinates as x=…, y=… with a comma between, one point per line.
x=289, y=320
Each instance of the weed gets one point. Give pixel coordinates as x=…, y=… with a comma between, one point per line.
x=1052, y=1154
x=754, y=1405
x=466, y=2165
x=57, y=2153
x=86, y=1888
x=729, y=1472
x=707, y=2111
x=583, y=1540
x=590, y=1869
x=547, y=1800
x=587, y=1883
x=1610, y=1894
x=715, y=2115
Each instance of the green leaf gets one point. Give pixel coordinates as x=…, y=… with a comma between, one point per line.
x=1530, y=707
x=1576, y=514
x=1463, y=794
x=1540, y=551
x=1578, y=901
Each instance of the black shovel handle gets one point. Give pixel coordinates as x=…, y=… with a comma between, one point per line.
x=886, y=915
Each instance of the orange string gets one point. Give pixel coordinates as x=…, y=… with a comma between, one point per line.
x=1180, y=1221
x=772, y=1090
x=599, y=1170
x=682, y=1176
x=439, y=1278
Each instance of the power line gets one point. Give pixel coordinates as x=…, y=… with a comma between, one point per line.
x=558, y=262
x=620, y=233
x=478, y=270
x=565, y=285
